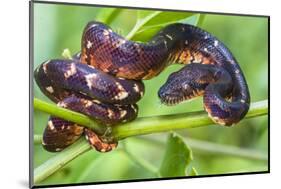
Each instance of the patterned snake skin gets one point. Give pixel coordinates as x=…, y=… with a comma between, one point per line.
x=104, y=80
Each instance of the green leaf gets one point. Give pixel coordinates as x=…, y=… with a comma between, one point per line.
x=145, y=14
x=142, y=19
x=66, y=54
x=107, y=15
x=146, y=32
x=201, y=20
x=147, y=19
x=167, y=17
x=177, y=158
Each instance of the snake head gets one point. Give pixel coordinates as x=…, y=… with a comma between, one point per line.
x=185, y=84
x=177, y=89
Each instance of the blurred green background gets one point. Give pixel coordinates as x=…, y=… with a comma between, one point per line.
x=57, y=27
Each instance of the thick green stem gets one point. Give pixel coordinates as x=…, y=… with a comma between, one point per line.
x=140, y=126
x=37, y=139
x=58, y=161
x=148, y=125
x=145, y=125
x=68, y=115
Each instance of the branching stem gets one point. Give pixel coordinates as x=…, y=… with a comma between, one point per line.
x=145, y=125
x=140, y=126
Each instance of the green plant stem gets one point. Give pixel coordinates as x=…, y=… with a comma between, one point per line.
x=140, y=126
x=37, y=139
x=146, y=125
x=68, y=115
x=59, y=160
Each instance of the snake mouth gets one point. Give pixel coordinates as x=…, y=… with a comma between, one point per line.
x=171, y=101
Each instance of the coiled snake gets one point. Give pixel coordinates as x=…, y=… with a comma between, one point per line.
x=104, y=80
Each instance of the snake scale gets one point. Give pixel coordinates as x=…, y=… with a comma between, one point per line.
x=104, y=80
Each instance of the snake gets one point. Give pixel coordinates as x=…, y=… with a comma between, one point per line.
x=104, y=80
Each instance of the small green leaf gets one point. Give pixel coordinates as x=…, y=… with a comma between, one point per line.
x=154, y=21
x=148, y=19
x=145, y=14
x=192, y=20
x=66, y=54
x=177, y=158
x=201, y=20
x=108, y=15
x=167, y=17
x=145, y=33
x=142, y=19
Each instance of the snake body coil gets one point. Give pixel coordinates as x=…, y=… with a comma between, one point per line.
x=104, y=80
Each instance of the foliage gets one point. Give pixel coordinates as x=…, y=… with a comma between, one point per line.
x=177, y=158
